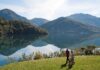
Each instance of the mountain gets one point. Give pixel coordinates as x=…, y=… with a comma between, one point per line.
x=86, y=19
x=63, y=32
x=15, y=27
x=10, y=15
x=39, y=21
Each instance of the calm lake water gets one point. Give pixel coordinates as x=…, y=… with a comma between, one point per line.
x=15, y=46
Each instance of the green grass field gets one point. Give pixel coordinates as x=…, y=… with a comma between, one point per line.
x=81, y=63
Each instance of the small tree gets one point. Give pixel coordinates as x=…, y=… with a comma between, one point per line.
x=51, y=55
x=97, y=52
x=26, y=57
x=45, y=56
x=56, y=54
x=82, y=51
x=89, y=50
x=62, y=53
x=38, y=55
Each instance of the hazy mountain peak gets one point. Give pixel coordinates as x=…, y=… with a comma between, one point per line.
x=86, y=19
x=82, y=14
x=6, y=10
x=39, y=21
x=11, y=15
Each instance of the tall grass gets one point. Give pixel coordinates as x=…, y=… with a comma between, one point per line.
x=81, y=63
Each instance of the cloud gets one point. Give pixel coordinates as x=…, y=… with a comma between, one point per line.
x=16, y=8
x=83, y=1
x=51, y=9
x=43, y=8
x=79, y=6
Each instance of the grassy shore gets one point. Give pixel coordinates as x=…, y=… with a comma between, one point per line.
x=81, y=63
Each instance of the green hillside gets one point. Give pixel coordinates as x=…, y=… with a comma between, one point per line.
x=81, y=63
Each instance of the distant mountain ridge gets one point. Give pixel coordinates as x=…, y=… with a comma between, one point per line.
x=86, y=19
x=15, y=27
x=64, y=31
x=8, y=14
x=69, y=24
x=39, y=21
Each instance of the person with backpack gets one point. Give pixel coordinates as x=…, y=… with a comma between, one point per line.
x=71, y=60
x=67, y=55
x=72, y=57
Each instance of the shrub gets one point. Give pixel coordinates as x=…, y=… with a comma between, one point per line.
x=26, y=57
x=38, y=55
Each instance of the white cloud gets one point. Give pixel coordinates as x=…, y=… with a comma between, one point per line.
x=43, y=8
x=16, y=8
x=78, y=7
x=51, y=9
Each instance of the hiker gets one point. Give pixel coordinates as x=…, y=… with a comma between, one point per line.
x=71, y=60
x=72, y=57
x=67, y=55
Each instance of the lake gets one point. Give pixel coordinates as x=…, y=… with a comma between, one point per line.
x=15, y=46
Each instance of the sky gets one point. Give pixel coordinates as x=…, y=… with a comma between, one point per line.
x=51, y=9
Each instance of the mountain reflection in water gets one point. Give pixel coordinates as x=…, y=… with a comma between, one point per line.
x=9, y=45
x=15, y=46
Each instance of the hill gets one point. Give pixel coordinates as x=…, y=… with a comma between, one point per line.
x=39, y=21
x=8, y=14
x=81, y=63
x=64, y=32
x=86, y=19
x=15, y=27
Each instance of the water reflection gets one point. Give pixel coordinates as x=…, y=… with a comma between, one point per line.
x=70, y=40
x=47, y=49
x=3, y=60
x=9, y=45
x=15, y=46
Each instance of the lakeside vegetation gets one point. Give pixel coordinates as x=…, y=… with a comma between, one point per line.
x=88, y=50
